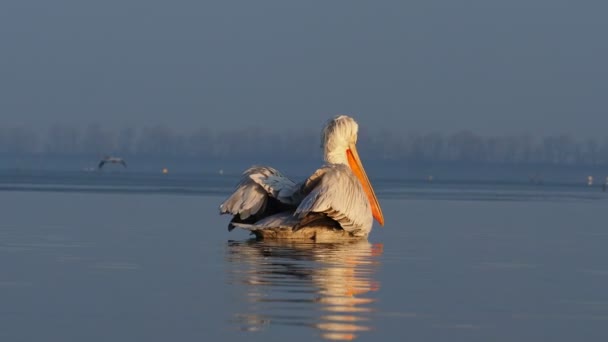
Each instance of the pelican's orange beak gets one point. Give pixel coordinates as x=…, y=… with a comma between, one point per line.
x=359, y=171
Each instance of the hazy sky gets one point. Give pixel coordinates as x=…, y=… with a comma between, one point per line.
x=492, y=66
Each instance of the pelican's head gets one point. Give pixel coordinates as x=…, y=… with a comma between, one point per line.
x=339, y=140
x=337, y=135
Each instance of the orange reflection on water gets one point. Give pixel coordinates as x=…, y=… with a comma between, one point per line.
x=298, y=284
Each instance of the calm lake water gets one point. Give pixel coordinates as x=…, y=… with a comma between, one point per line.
x=128, y=256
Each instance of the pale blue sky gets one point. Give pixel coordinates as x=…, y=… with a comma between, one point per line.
x=495, y=67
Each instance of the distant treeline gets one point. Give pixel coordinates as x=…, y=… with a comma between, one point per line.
x=463, y=146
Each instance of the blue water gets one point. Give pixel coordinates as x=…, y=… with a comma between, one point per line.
x=189, y=183
x=129, y=255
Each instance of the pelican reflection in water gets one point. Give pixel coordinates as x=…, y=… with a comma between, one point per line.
x=327, y=287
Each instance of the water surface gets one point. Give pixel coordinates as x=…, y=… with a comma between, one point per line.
x=127, y=258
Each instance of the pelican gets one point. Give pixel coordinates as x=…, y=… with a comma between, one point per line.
x=337, y=202
x=112, y=160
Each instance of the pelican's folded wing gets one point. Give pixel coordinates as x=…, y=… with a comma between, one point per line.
x=262, y=191
x=335, y=191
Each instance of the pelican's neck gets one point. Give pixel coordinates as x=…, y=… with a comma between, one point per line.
x=336, y=157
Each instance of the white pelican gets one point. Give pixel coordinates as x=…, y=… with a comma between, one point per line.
x=112, y=160
x=337, y=202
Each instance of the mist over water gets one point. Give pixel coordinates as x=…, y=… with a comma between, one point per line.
x=265, y=143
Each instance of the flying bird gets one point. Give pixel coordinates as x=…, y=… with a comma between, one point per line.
x=111, y=160
x=337, y=202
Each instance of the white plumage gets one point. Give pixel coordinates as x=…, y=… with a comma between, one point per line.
x=335, y=202
x=335, y=191
x=261, y=189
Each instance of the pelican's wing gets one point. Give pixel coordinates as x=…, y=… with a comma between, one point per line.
x=261, y=192
x=123, y=163
x=281, y=220
x=335, y=191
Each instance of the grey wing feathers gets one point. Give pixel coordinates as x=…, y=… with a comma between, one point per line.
x=335, y=191
x=277, y=185
x=259, y=185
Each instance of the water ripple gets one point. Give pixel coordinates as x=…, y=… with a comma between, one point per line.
x=325, y=287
